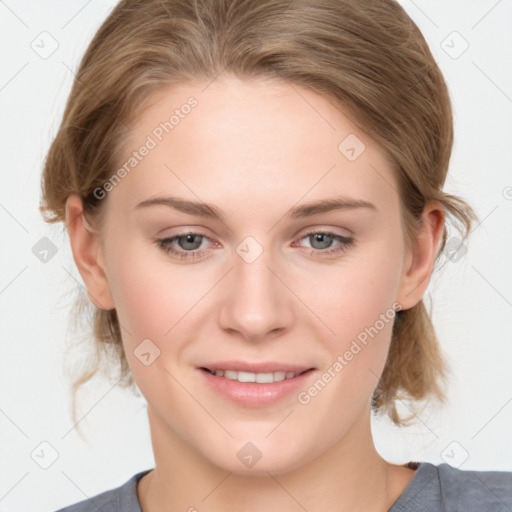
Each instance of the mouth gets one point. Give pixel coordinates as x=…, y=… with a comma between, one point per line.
x=259, y=377
x=255, y=385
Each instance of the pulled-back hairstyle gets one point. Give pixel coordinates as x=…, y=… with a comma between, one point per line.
x=366, y=56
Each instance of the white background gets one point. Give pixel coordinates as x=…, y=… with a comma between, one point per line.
x=472, y=298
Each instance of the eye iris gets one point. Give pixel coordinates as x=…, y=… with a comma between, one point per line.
x=321, y=238
x=189, y=239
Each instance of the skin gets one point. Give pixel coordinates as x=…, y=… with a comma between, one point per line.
x=255, y=149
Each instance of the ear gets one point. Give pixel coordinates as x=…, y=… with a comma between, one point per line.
x=420, y=260
x=87, y=253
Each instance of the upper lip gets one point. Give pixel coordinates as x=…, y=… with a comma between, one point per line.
x=264, y=367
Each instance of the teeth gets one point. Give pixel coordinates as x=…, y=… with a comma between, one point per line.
x=264, y=378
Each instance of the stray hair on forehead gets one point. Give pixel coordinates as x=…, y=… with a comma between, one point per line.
x=368, y=58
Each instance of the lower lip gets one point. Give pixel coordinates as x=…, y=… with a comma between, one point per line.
x=256, y=394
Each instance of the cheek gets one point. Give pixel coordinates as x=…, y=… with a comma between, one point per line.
x=140, y=300
x=356, y=304
x=151, y=304
x=151, y=295
x=354, y=295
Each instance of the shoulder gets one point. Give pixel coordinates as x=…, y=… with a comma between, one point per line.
x=476, y=488
x=445, y=488
x=120, y=499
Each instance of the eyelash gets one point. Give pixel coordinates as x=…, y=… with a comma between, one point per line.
x=166, y=245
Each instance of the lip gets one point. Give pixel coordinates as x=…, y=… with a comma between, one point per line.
x=255, y=394
x=264, y=367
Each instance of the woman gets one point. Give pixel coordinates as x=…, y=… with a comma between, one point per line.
x=253, y=195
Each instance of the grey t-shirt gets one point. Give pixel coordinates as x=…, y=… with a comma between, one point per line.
x=432, y=489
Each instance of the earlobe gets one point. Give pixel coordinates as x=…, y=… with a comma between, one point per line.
x=87, y=253
x=421, y=260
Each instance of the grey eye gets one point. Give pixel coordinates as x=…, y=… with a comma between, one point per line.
x=325, y=240
x=189, y=243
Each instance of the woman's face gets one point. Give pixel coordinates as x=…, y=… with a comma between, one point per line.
x=254, y=285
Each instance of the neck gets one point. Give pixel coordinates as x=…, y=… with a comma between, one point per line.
x=349, y=476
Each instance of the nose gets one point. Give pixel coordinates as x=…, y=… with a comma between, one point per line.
x=256, y=302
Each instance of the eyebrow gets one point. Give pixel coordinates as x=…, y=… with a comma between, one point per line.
x=211, y=211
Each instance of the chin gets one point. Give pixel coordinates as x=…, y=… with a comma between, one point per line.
x=258, y=458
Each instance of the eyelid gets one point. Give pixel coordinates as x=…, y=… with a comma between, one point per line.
x=344, y=242
x=298, y=235
x=324, y=229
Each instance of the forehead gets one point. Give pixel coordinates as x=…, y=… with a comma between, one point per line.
x=252, y=138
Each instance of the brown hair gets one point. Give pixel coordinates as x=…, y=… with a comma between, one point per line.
x=368, y=57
